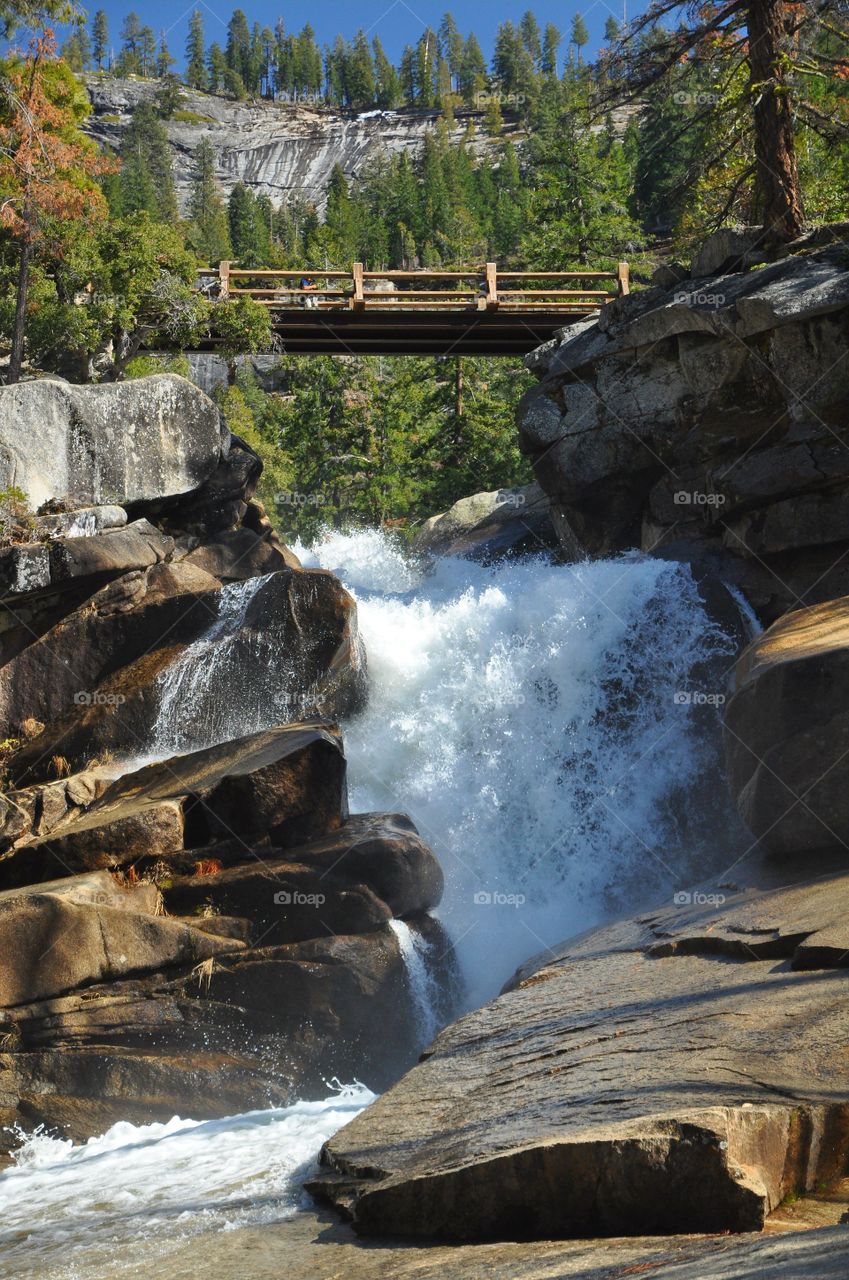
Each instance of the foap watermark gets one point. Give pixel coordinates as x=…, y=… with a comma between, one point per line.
x=291, y=498
x=700, y=299
x=495, y=898
x=701, y=99
x=84, y=698
x=294, y=898
x=485, y=99
x=698, y=698
x=489, y=698
x=697, y=498
x=695, y=898
x=92, y=898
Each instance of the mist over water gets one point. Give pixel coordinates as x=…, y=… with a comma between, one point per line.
x=545, y=727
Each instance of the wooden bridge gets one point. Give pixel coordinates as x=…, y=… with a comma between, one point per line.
x=473, y=311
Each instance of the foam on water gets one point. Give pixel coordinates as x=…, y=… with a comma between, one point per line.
x=532, y=718
x=102, y=1208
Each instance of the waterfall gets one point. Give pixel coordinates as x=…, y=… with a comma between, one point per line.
x=553, y=730
x=414, y=952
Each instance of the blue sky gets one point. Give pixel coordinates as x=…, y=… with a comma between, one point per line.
x=397, y=22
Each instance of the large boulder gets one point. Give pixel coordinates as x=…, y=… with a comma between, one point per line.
x=787, y=732
x=122, y=442
x=51, y=944
x=704, y=420
x=246, y=1029
x=353, y=879
x=674, y=1073
x=490, y=524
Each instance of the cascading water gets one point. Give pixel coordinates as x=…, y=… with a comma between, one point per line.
x=545, y=727
x=422, y=980
x=193, y=690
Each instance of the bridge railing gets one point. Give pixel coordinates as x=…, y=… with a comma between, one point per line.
x=472, y=288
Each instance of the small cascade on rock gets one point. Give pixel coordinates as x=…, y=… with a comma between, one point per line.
x=207, y=686
x=423, y=987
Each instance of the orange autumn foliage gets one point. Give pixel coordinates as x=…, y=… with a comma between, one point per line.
x=47, y=166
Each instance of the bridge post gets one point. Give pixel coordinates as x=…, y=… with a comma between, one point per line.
x=224, y=280
x=623, y=279
x=358, y=300
x=492, y=286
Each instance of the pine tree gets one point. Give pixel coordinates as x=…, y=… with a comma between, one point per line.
x=580, y=35
x=550, y=45
x=76, y=50
x=424, y=69
x=210, y=236
x=611, y=30
x=387, y=83
x=407, y=74
x=361, y=72
x=147, y=179
x=248, y=228
x=238, y=51
x=129, y=62
x=217, y=68
x=100, y=37
x=451, y=46
x=164, y=60
x=531, y=37
x=147, y=51
x=472, y=75
x=196, y=77
x=309, y=63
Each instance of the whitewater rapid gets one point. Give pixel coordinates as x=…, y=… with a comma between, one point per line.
x=119, y=1203
x=550, y=728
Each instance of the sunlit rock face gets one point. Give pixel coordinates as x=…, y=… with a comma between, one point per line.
x=278, y=149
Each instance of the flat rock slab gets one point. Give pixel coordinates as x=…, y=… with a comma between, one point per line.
x=318, y=1248
x=655, y=1076
x=119, y=443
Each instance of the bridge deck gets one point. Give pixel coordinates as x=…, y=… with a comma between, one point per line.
x=361, y=312
x=438, y=333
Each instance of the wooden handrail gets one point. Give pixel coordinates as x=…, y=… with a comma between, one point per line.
x=355, y=296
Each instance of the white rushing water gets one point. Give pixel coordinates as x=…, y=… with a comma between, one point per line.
x=120, y=1202
x=415, y=953
x=544, y=727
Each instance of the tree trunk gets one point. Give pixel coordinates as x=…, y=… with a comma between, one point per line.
x=16, y=360
x=777, y=180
